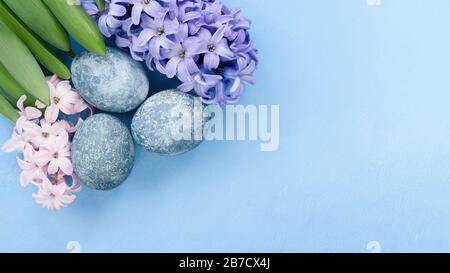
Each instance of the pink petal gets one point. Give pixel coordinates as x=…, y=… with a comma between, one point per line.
x=46, y=126
x=43, y=157
x=20, y=122
x=32, y=113
x=10, y=146
x=75, y=128
x=39, y=198
x=59, y=189
x=56, y=205
x=79, y=107
x=28, y=152
x=51, y=113
x=66, y=108
x=71, y=97
x=57, y=128
x=20, y=102
x=46, y=186
x=65, y=165
x=52, y=90
x=24, y=178
x=67, y=199
x=62, y=88
x=23, y=164
x=48, y=147
x=76, y=184
x=65, y=152
x=32, y=128
x=61, y=141
x=39, y=104
x=53, y=167
x=39, y=173
x=54, y=80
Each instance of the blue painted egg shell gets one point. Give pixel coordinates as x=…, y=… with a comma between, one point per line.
x=103, y=152
x=112, y=83
x=154, y=123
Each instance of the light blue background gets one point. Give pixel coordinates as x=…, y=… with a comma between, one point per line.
x=364, y=95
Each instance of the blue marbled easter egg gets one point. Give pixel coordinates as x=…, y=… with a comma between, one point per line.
x=103, y=152
x=158, y=123
x=112, y=83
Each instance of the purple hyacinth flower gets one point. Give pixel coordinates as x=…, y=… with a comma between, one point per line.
x=243, y=74
x=239, y=22
x=202, y=42
x=154, y=63
x=216, y=95
x=214, y=47
x=125, y=41
x=182, y=56
x=150, y=7
x=90, y=7
x=201, y=83
x=108, y=23
x=155, y=32
x=213, y=15
x=186, y=11
x=242, y=46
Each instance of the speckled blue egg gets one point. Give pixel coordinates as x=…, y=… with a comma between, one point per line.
x=103, y=152
x=112, y=83
x=155, y=121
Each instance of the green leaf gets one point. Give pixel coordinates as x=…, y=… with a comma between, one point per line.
x=22, y=66
x=7, y=110
x=35, y=15
x=100, y=4
x=76, y=21
x=12, y=89
x=38, y=47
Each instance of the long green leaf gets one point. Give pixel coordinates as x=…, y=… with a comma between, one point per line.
x=22, y=66
x=82, y=28
x=7, y=96
x=12, y=89
x=35, y=14
x=38, y=47
x=7, y=110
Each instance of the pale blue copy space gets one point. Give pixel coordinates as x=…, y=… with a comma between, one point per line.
x=364, y=95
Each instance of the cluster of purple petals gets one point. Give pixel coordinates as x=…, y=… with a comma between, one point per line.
x=203, y=43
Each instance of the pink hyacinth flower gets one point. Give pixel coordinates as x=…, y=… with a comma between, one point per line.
x=46, y=132
x=17, y=142
x=53, y=197
x=31, y=171
x=56, y=154
x=29, y=113
x=62, y=99
x=54, y=80
x=45, y=143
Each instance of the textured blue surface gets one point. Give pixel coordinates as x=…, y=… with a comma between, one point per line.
x=114, y=83
x=160, y=115
x=364, y=95
x=103, y=152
